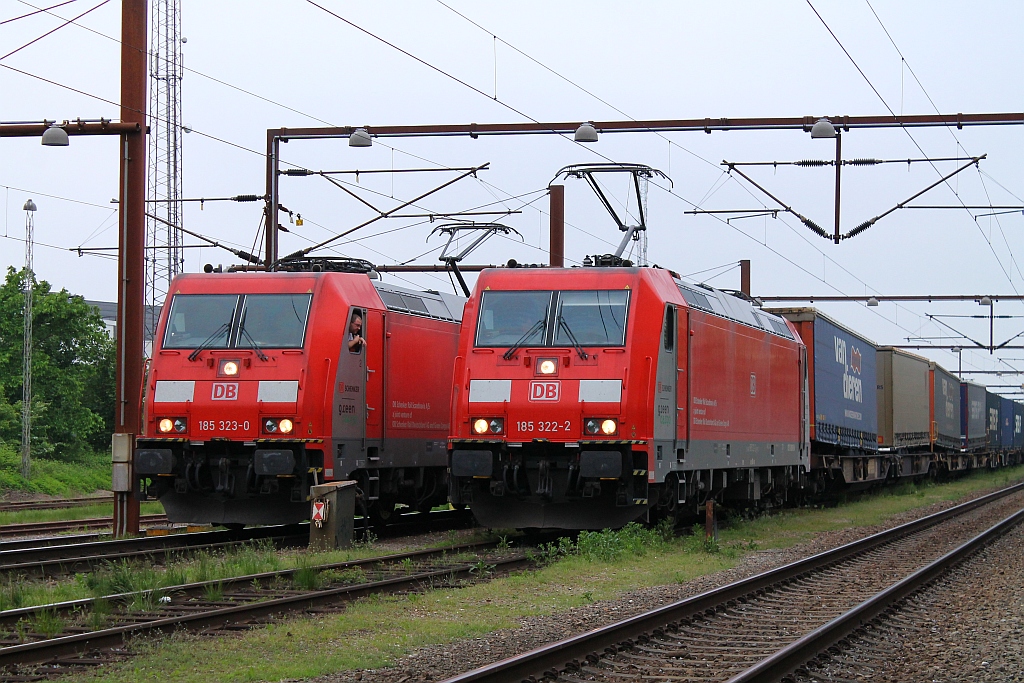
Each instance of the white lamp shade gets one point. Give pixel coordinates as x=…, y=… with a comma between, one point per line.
x=823, y=128
x=360, y=138
x=55, y=137
x=586, y=133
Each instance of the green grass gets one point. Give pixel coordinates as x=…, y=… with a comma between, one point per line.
x=375, y=632
x=86, y=474
x=185, y=567
x=66, y=514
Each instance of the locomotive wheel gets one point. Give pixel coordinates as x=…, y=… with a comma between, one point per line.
x=382, y=514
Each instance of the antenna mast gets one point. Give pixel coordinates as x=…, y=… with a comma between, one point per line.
x=26, y=385
x=163, y=235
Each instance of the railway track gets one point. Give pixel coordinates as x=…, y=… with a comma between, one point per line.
x=227, y=605
x=61, y=559
x=55, y=504
x=760, y=628
x=58, y=555
x=29, y=528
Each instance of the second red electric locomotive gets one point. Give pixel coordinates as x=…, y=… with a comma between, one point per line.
x=586, y=398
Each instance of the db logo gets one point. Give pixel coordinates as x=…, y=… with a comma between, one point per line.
x=225, y=391
x=544, y=391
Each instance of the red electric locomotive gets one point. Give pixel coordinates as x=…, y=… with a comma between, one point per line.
x=588, y=397
x=263, y=384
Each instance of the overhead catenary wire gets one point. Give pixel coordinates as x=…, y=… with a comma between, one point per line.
x=52, y=31
x=38, y=11
x=909, y=134
x=540, y=212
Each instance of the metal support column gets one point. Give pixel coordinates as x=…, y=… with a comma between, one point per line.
x=131, y=292
x=745, y=276
x=556, y=251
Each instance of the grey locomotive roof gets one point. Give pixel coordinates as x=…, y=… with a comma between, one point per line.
x=732, y=307
x=429, y=303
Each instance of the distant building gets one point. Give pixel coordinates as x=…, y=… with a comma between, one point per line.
x=108, y=312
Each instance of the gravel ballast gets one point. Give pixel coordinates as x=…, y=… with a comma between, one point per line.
x=439, y=662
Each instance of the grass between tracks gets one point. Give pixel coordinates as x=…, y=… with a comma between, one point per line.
x=68, y=514
x=376, y=632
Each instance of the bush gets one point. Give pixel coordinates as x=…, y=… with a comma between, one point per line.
x=89, y=472
x=633, y=540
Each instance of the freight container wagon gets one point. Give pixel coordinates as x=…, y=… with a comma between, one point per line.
x=843, y=396
x=1006, y=428
x=993, y=403
x=945, y=409
x=1018, y=429
x=904, y=410
x=973, y=417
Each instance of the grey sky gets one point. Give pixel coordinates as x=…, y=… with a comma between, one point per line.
x=649, y=60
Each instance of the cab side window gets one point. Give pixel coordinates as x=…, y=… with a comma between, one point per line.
x=354, y=334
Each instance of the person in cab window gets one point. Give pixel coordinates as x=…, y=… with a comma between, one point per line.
x=355, y=333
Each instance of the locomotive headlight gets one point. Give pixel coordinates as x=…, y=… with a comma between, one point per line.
x=601, y=427
x=488, y=425
x=165, y=425
x=547, y=366
x=285, y=426
x=270, y=426
x=228, y=368
x=180, y=425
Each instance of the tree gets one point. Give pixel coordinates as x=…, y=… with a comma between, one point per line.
x=72, y=370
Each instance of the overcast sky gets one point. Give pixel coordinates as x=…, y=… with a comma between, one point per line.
x=288, y=63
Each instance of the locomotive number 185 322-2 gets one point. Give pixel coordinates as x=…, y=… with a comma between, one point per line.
x=555, y=426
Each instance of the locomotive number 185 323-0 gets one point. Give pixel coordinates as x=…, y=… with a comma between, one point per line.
x=223, y=425
x=531, y=426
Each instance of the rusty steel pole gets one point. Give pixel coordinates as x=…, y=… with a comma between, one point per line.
x=271, y=210
x=745, y=276
x=131, y=292
x=556, y=251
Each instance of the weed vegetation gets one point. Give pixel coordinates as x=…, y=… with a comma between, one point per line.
x=129, y=576
x=595, y=567
x=68, y=514
x=86, y=473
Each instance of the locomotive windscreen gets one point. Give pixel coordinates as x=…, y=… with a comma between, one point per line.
x=596, y=318
x=507, y=318
x=220, y=321
x=591, y=317
x=200, y=319
x=274, y=320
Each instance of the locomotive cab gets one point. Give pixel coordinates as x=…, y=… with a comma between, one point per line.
x=226, y=437
x=264, y=384
x=540, y=435
x=588, y=398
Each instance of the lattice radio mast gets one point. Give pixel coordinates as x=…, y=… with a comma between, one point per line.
x=26, y=349
x=163, y=234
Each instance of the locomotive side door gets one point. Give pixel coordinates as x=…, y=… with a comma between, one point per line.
x=665, y=397
x=683, y=382
x=373, y=332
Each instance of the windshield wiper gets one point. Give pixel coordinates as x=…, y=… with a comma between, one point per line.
x=572, y=337
x=209, y=340
x=255, y=347
x=537, y=326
